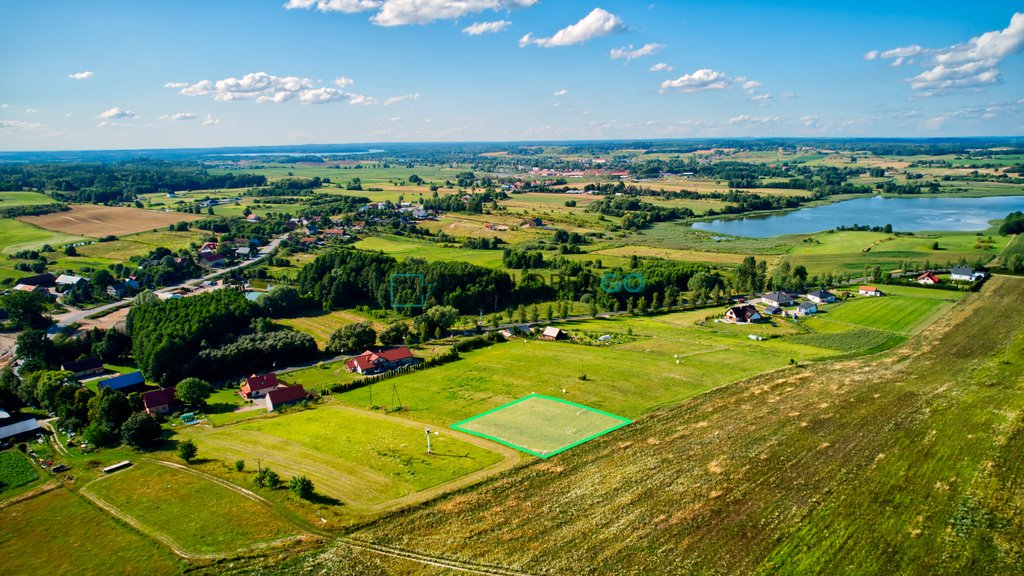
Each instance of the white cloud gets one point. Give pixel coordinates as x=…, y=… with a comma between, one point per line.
x=347, y=6
x=660, y=67
x=598, y=23
x=3, y=105
x=67, y=115
x=175, y=84
x=31, y=111
x=108, y=124
x=751, y=84
x=971, y=65
x=116, y=112
x=81, y=75
x=361, y=100
x=561, y=92
x=809, y=121
x=404, y=12
x=180, y=116
x=267, y=88
x=395, y=119
x=749, y=120
x=479, y=28
x=762, y=97
x=934, y=123
x=697, y=81
x=627, y=53
x=402, y=98
x=19, y=126
x=211, y=121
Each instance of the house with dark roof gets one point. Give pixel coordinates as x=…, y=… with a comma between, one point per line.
x=773, y=310
x=743, y=314
x=382, y=360
x=162, y=401
x=778, y=299
x=45, y=280
x=806, y=309
x=82, y=368
x=284, y=395
x=821, y=297
x=965, y=274
x=126, y=383
x=212, y=260
x=257, y=386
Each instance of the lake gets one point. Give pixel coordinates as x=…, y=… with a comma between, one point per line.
x=905, y=215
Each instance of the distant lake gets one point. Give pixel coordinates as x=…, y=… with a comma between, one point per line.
x=905, y=215
x=297, y=154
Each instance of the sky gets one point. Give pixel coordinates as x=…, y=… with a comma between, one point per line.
x=119, y=75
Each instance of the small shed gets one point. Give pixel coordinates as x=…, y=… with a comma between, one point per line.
x=552, y=333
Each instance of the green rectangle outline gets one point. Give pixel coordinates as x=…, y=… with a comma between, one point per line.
x=622, y=422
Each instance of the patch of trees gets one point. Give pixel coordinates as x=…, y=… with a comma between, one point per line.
x=25, y=309
x=515, y=259
x=255, y=352
x=36, y=210
x=352, y=339
x=161, y=267
x=289, y=187
x=118, y=182
x=483, y=243
x=1012, y=224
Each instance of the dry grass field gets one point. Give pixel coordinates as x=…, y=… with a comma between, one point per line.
x=99, y=221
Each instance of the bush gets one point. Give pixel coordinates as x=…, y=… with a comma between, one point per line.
x=187, y=450
x=267, y=478
x=140, y=431
x=240, y=465
x=353, y=338
x=301, y=486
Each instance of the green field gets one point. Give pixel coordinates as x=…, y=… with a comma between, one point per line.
x=15, y=470
x=195, y=515
x=402, y=248
x=319, y=325
x=16, y=235
x=140, y=244
x=894, y=313
x=363, y=459
x=16, y=199
x=872, y=466
x=844, y=252
x=60, y=533
x=540, y=425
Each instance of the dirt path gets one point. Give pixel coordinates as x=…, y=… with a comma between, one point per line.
x=38, y=490
x=55, y=439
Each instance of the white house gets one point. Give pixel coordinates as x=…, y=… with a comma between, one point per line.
x=806, y=308
x=869, y=291
x=965, y=274
x=780, y=298
x=821, y=297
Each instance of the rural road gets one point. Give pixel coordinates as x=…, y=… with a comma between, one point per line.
x=68, y=318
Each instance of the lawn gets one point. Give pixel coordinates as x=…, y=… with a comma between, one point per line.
x=361, y=458
x=891, y=464
x=540, y=425
x=15, y=199
x=60, y=533
x=894, y=313
x=15, y=470
x=402, y=248
x=197, y=515
x=844, y=252
x=16, y=235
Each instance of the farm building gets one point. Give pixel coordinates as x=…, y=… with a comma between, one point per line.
x=806, y=308
x=773, y=310
x=11, y=431
x=209, y=248
x=869, y=291
x=965, y=274
x=743, y=314
x=382, y=360
x=257, y=386
x=927, y=279
x=821, y=297
x=31, y=288
x=552, y=333
x=82, y=368
x=162, y=401
x=780, y=298
x=212, y=260
x=69, y=281
x=531, y=223
x=45, y=280
x=284, y=395
x=126, y=383
x=243, y=252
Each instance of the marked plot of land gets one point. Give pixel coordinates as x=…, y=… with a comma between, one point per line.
x=542, y=425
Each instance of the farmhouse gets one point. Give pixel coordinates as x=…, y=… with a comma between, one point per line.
x=965, y=274
x=869, y=291
x=126, y=383
x=552, y=333
x=82, y=368
x=68, y=281
x=160, y=401
x=928, y=279
x=212, y=260
x=806, y=308
x=531, y=223
x=821, y=297
x=284, y=395
x=31, y=288
x=382, y=360
x=258, y=386
x=243, y=252
x=743, y=314
x=209, y=248
x=780, y=298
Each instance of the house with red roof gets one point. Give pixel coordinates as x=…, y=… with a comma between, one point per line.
x=162, y=401
x=257, y=386
x=382, y=360
x=869, y=291
x=928, y=279
x=284, y=395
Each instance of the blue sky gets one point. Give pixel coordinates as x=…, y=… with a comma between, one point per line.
x=105, y=74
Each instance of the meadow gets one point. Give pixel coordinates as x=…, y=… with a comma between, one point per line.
x=319, y=325
x=401, y=248
x=885, y=464
x=16, y=199
x=192, y=514
x=364, y=459
x=59, y=532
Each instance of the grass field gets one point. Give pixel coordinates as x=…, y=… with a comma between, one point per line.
x=319, y=325
x=139, y=244
x=60, y=533
x=844, y=252
x=15, y=470
x=99, y=221
x=363, y=459
x=540, y=425
x=893, y=312
x=882, y=465
x=197, y=515
x=671, y=254
x=15, y=199
x=402, y=248
x=16, y=235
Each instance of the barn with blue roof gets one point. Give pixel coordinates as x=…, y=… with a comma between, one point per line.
x=126, y=383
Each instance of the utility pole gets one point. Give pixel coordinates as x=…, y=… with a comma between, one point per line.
x=428, y=441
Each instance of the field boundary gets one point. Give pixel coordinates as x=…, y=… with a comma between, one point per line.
x=622, y=422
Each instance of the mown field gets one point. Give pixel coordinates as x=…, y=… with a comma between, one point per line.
x=886, y=464
x=318, y=325
x=61, y=533
x=362, y=459
x=16, y=199
x=402, y=248
x=844, y=252
x=98, y=221
x=196, y=515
